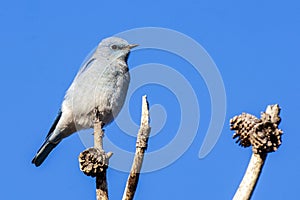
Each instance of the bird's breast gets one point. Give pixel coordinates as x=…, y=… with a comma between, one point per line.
x=101, y=87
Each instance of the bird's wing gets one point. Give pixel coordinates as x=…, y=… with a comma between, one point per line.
x=85, y=66
x=87, y=62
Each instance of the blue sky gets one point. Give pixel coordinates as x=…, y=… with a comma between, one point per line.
x=255, y=46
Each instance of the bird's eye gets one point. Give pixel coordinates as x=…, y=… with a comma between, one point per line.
x=114, y=47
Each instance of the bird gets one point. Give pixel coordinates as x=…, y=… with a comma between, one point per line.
x=101, y=83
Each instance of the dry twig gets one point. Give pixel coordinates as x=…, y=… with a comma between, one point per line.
x=94, y=161
x=141, y=146
x=264, y=137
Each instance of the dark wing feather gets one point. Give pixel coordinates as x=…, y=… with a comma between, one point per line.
x=54, y=123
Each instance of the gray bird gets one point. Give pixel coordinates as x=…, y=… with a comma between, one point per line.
x=101, y=84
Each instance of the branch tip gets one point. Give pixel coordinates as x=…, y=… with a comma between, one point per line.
x=262, y=134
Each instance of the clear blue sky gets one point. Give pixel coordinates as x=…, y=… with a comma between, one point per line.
x=254, y=44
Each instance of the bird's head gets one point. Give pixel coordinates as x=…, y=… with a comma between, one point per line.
x=114, y=47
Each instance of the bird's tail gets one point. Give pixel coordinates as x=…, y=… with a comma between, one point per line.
x=48, y=145
x=43, y=152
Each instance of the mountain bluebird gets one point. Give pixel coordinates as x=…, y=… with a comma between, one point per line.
x=100, y=84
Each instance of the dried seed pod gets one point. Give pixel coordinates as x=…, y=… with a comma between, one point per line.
x=266, y=137
x=92, y=161
x=243, y=124
x=262, y=134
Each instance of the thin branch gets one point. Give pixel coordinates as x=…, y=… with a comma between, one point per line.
x=264, y=137
x=101, y=182
x=141, y=146
x=251, y=177
x=94, y=161
x=98, y=134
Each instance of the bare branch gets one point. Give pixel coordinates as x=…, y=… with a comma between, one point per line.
x=94, y=161
x=101, y=183
x=264, y=137
x=141, y=146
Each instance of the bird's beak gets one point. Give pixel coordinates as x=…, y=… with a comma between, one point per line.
x=130, y=46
